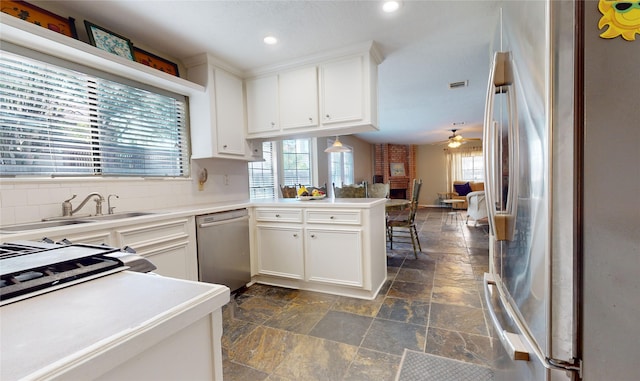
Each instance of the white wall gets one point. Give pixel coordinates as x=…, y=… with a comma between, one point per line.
x=27, y=200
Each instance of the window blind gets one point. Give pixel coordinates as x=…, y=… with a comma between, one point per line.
x=262, y=174
x=63, y=122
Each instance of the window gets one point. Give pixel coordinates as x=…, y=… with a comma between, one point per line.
x=62, y=119
x=262, y=174
x=341, y=167
x=473, y=168
x=292, y=166
x=464, y=164
x=296, y=162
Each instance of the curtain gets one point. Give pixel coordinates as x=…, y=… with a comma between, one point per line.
x=453, y=160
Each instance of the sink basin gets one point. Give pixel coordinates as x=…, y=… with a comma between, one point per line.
x=39, y=225
x=115, y=216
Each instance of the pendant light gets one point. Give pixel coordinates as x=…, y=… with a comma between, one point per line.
x=337, y=147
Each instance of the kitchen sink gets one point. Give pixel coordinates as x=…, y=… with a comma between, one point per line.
x=72, y=220
x=115, y=216
x=39, y=225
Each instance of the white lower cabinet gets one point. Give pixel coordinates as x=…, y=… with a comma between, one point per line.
x=99, y=237
x=167, y=244
x=334, y=250
x=280, y=251
x=334, y=256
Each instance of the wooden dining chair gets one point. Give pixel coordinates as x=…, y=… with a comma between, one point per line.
x=350, y=191
x=379, y=190
x=402, y=228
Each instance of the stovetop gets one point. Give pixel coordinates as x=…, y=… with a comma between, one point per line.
x=29, y=268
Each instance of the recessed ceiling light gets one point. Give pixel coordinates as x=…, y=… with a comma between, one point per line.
x=390, y=6
x=270, y=40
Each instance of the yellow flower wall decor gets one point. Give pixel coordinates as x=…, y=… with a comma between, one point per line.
x=622, y=18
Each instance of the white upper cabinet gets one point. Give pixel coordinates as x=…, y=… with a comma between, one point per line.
x=334, y=94
x=262, y=104
x=218, y=127
x=298, y=94
x=342, y=91
x=229, y=100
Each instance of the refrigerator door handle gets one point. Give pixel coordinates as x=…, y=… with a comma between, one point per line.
x=513, y=343
x=510, y=341
x=501, y=222
x=490, y=147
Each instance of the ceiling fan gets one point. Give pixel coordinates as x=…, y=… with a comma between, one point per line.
x=455, y=140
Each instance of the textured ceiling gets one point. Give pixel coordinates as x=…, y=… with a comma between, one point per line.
x=426, y=45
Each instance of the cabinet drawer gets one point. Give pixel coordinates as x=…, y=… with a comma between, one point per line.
x=348, y=217
x=151, y=234
x=279, y=215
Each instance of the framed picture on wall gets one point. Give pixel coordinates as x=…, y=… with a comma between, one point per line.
x=397, y=169
x=108, y=41
x=42, y=17
x=155, y=62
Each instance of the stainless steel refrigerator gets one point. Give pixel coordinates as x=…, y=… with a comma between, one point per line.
x=529, y=190
x=562, y=291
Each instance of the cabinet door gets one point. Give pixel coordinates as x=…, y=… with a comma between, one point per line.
x=169, y=245
x=298, y=95
x=172, y=260
x=280, y=251
x=334, y=256
x=342, y=91
x=262, y=105
x=229, y=113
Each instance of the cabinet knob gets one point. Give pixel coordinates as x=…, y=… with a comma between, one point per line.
x=328, y=116
x=224, y=146
x=273, y=124
x=313, y=236
x=295, y=236
x=310, y=119
x=277, y=215
x=331, y=218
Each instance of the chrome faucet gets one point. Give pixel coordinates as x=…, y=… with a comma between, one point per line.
x=109, y=207
x=67, y=208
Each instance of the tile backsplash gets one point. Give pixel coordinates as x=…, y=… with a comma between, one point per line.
x=32, y=200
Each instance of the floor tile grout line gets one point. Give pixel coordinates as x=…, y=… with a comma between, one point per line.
x=437, y=257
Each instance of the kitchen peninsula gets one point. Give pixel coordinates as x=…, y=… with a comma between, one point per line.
x=335, y=246
x=125, y=326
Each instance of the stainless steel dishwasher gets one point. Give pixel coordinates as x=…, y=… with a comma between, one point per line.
x=223, y=248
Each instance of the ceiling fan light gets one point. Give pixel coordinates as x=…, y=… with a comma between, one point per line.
x=454, y=143
x=337, y=147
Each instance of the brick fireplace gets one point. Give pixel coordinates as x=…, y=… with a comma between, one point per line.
x=399, y=157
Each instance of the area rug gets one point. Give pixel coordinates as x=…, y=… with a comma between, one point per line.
x=419, y=366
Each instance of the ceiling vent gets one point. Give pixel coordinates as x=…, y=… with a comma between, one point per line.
x=456, y=85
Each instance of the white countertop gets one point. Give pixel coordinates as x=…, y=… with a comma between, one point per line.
x=65, y=326
x=323, y=203
x=192, y=210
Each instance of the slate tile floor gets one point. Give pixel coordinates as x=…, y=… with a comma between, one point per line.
x=431, y=304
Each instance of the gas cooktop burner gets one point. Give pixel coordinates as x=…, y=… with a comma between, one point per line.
x=30, y=268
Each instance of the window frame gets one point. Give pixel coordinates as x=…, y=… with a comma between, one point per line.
x=343, y=179
x=180, y=170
